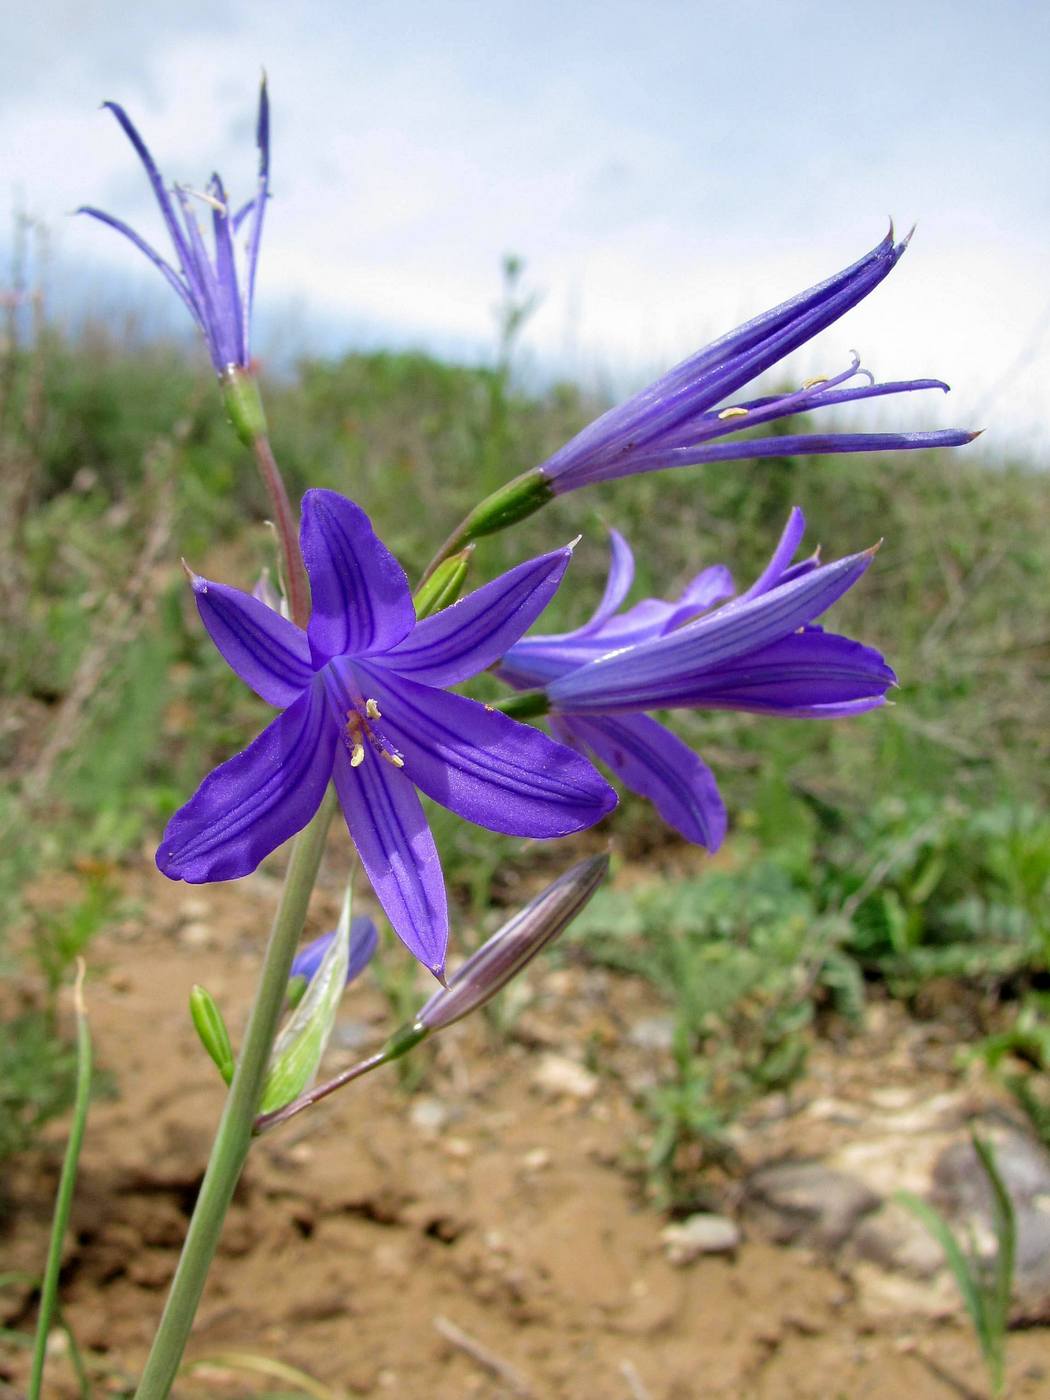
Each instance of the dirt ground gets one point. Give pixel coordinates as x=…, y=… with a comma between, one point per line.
x=482, y=1238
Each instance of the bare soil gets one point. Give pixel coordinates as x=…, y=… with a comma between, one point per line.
x=483, y=1237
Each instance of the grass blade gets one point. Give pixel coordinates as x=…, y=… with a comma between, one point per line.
x=67, y=1182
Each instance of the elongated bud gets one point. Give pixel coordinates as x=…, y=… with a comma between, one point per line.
x=240, y=394
x=444, y=585
x=208, y=1022
x=488, y=971
x=516, y=501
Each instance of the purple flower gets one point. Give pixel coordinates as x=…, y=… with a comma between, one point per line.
x=362, y=703
x=206, y=282
x=676, y=422
x=364, y=939
x=757, y=652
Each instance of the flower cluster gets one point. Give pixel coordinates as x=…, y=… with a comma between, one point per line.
x=760, y=651
x=363, y=688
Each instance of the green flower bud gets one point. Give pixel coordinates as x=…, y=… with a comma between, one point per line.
x=444, y=585
x=208, y=1022
x=240, y=394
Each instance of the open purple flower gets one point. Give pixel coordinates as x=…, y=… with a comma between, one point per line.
x=759, y=652
x=362, y=704
x=676, y=421
x=208, y=284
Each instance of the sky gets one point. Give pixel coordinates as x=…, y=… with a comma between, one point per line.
x=665, y=169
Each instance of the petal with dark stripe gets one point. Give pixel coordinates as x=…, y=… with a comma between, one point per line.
x=268, y=652
x=654, y=763
x=387, y=825
x=254, y=802
x=487, y=768
x=468, y=637
x=361, y=598
x=652, y=673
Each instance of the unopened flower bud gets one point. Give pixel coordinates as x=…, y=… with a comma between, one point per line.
x=488, y=971
x=444, y=585
x=208, y=1022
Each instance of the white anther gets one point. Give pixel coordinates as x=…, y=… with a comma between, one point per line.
x=812, y=383
x=208, y=199
x=357, y=755
x=372, y=710
x=393, y=758
x=733, y=413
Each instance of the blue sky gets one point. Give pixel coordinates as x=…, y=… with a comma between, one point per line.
x=665, y=169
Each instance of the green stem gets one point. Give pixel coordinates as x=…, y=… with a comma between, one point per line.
x=515, y=501
x=287, y=531
x=67, y=1181
x=233, y=1139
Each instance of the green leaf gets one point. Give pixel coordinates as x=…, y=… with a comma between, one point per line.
x=298, y=1049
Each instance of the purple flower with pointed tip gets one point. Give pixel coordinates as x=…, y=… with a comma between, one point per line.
x=677, y=422
x=364, y=940
x=207, y=283
x=361, y=690
x=758, y=652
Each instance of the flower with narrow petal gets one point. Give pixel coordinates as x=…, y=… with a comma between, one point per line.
x=758, y=652
x=677, y=421
x=219, y=301
x=362, y=699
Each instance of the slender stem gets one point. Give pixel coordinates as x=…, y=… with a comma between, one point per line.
x=515, y=501
x=266, y=1121
x=67, y=1181
x=234, y=1136
x=287, y=530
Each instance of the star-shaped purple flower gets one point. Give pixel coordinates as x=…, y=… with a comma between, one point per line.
x=360, y=690
x=207, y=284
x=758, y=652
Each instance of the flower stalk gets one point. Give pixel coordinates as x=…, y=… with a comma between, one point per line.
x=233, y=1139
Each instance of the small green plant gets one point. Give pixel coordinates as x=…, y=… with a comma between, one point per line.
x=739, y=958
x=985, y=1285
x=36, y=1080
x=1021, y=1056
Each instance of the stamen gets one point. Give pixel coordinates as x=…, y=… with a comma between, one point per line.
x=372, y=710
x=733, y=413
x=208, y=199
x=393, y=758
x=812, y=383
x=357, y=755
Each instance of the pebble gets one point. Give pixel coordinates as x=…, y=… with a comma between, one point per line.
x=429, y=1114
x=697, y=1235
x=559, y=1077
x=809, y=1203
x=652, y=1033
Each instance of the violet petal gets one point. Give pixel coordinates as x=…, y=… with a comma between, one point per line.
x=386, y=823
x=489, y=769
x=361, y=598
x=657, y=765
x=255, y=801
x=268, y=652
